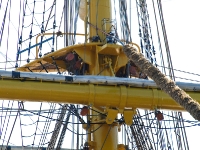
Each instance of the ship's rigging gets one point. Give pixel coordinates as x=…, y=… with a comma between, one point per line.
x=55, y=24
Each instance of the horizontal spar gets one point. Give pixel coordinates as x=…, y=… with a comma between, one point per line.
x=84, y=90
x=135, y=82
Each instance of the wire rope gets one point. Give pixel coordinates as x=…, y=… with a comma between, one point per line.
x=47, y=124
x=13, y=126
x=159, y=42
x=36, y=126
x=97, y=12
x=8, y=34
x=3, y=22
x=2, y=130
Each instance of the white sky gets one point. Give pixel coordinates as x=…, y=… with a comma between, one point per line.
x=182, y=25
x=183, y=30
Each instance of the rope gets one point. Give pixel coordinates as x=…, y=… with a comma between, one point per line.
x=146, y=40
x=19, y=107
x=97, y=13
x=159, y=42
x=36, y=127
x=3, y=23
x=124, y=21
x=8, y=35
x=164, y=83
x=77, y=5
x=47, y=125
x=7, y=121
x=171, y=72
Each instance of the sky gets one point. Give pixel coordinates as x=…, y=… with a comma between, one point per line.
x=182, y=26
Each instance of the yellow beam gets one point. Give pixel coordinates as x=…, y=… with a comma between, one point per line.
x=98, y=95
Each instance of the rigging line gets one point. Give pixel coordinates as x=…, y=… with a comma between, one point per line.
x=5, y=58
x=145, y=33
x=158, y=34
x=54, y=26
x=168, y=123
x=165, y=39
x=6, y=141
x=71, y=22
x=130, y=15
x=97, y=11
x=27, y=136
x=39, y=13
x=150, y=37
x=175, y=129
x=47, y=124
x=7, y=124
x=57, y=127
x=176, y=77
x=106, y=137
x=181, y=133
x=125, y=26
x=13, y=126
x=36, y=125
x=146, y=132
x=30, y=123
x=66, y=21
x=77, y=6
x=37, y=21
x=49, y=15
x=129, y=140
x=77, y=137
x=115, y=13
x=8, y=35
x=3, y=23
x=1, y=118
x=72, y=138
x=184, y=131
x=28, y=146
x=0, y=4
x=19, y=22
x=7, y=121
x=19, y=43
x=149, y=124
x=87, y=132
x=20, y=121
x=42, y=29
x=63, y=131
x=61, y=18
x=31, y=30
x=167, y=134
x=180, y=70
x=45, y=128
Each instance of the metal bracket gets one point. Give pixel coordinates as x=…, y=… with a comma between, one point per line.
x=128, y=116
x=15, y=74
x=112, y=114
x=68, y=78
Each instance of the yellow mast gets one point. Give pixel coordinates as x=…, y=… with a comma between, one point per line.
x=106, y=137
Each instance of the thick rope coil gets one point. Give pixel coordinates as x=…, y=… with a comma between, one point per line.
x=166, y=84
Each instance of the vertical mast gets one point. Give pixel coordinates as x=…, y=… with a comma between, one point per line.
x=99, y=13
